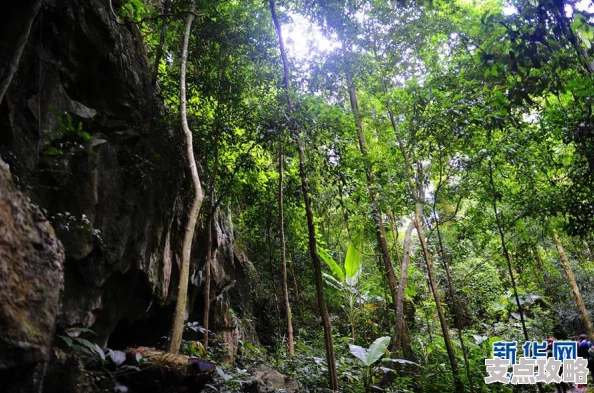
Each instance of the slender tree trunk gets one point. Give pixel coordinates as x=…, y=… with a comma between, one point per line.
x=11, y=62
x=281, y=229
x=313, y=247
x=373, y=194
x=177, y=327
x=509, y=263
x=417, y=194
x=295, y=285
x=506, y=253
x=401, y=287
x=574, y=287
x=455, y=308
x=159, y=52
x=437, y=297
x=406, y=345
x=394, y=235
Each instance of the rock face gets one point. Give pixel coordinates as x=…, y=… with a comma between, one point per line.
x=267, y=380
x=31, y=278
x=80, y=126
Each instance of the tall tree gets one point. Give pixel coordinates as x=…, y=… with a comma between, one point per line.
x=313, y=247
x=283, y=251
x=179, y=315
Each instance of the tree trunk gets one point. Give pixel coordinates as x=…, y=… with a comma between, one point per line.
x=177, y=327
x=506, y=253
x=281, y=225
x=508, y=261
x=313, y=247
x=295, y=285
x=14, y=48
x=394, y=235
x=417, y=195
x=574, y=287
x=373, y=194
x=437, y=297
x=407, y=351
x=401, y=287
x=455, y=308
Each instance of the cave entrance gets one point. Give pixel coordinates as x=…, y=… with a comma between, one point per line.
x=150, y=332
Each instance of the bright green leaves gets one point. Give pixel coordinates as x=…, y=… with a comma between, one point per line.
x=135, y=10
x=372, y=354
x=326, y=257
x=352, y=262
x=583, y=30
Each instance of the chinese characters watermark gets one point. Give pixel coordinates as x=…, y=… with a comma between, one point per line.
x=538, y=363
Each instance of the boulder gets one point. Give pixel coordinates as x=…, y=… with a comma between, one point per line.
x=31, y=279
x=267, y=380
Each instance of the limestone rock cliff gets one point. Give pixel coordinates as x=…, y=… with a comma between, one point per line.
x=83, y=132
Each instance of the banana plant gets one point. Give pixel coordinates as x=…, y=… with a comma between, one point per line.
x=368, y=356
x=346, y=278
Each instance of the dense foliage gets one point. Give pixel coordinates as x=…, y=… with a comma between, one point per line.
x=478, y=113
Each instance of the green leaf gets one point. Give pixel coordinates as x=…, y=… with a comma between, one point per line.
x=80, y=330
x=410, y=292
x=359, y=352
x=352, y=262
x=376, y=350
x=93, y=348
x=402, y=361
x=67, y=340
x=85, y=136
x=326, y=257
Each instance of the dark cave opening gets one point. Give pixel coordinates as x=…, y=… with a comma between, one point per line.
x=150, y=332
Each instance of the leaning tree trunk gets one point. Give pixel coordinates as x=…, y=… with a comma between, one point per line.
x=437, y=297
x=417, y=195
x=313, y=247
x=574, y=287
x=177, y=326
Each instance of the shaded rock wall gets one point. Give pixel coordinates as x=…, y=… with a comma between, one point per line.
x=80, y=126
x=31, y=279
